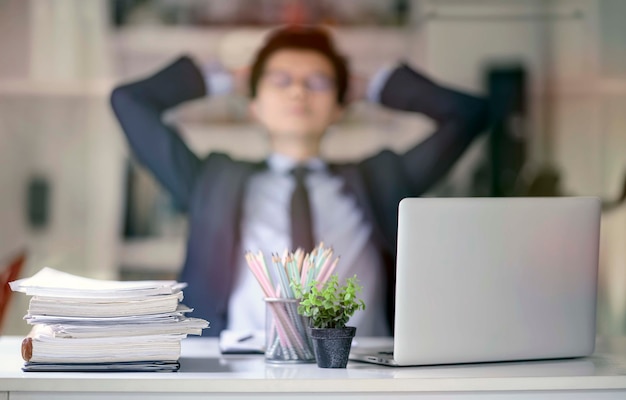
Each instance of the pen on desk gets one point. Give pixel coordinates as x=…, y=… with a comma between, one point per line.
x=244, y=338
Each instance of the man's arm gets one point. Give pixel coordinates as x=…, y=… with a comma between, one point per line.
x=459, y=118
x=139, y=107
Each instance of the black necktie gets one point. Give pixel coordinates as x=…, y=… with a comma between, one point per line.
x=301, y=226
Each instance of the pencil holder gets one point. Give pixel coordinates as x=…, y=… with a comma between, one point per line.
x=286, y=336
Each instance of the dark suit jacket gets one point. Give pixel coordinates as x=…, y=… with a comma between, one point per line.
x=211, y=189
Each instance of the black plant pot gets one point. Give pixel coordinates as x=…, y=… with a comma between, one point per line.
x=332, y=346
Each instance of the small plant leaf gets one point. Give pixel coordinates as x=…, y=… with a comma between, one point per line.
x=329, y=305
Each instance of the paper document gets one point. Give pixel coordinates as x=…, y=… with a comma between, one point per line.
x=53, y=283
x=82, y=324
x=84, y=307
x=135, y=366
x=242, y=342
x=132, y=319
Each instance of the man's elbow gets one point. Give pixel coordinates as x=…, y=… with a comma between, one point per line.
x=476, y=115
x=119, y=98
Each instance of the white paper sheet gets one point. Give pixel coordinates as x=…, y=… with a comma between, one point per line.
x=51, y=282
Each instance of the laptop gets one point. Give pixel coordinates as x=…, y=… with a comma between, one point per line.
x=493, y=279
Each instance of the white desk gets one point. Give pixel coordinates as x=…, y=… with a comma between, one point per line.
x=204, y=373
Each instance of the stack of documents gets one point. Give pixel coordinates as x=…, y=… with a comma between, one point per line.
x=82, y=324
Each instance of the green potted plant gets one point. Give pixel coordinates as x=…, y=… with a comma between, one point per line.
x=329, y=306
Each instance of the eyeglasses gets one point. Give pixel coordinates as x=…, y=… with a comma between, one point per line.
x=317, y=82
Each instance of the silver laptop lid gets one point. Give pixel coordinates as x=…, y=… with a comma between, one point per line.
x=495, y=279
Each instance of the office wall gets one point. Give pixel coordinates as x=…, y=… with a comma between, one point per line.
x=574, y=52
x=55, y=121
x=56, y=126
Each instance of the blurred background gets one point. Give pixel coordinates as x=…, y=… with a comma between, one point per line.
x=72, y=198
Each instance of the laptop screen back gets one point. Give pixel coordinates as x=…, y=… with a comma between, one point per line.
x=495, y=279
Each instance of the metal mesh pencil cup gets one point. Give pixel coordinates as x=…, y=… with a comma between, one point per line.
x=286, y=336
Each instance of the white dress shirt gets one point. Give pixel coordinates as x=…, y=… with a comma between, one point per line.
x=337, y=221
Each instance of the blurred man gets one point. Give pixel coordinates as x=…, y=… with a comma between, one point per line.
x=298, y=86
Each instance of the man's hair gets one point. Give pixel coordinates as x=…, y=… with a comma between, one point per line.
x=301, y=38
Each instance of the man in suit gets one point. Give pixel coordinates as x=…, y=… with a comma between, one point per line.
x=298, y=87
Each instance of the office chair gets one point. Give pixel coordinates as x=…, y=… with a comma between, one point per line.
x=9, y=272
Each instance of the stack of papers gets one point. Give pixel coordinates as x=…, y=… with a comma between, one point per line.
x=82, y=324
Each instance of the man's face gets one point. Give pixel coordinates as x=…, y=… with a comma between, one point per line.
x=296, y=96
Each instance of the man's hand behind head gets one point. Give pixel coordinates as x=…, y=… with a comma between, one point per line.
x=241, y=77
x=357, y=88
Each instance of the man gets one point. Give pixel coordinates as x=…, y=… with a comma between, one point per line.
x=298, y=88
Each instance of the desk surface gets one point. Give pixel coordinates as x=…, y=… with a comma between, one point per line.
x=204, y=370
